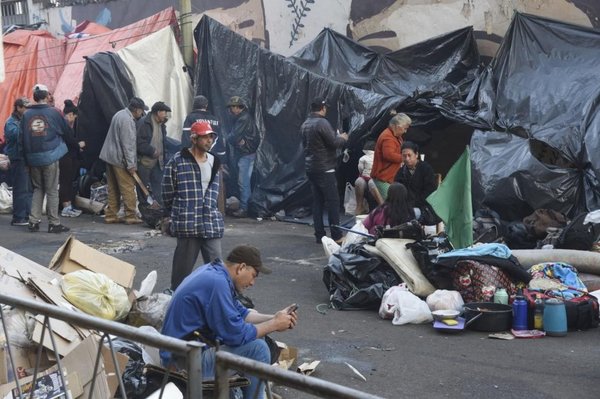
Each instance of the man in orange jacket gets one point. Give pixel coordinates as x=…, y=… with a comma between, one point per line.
x=388, y=156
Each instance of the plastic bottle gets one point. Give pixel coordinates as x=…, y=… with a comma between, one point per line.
x=538, y=316
x=501, y=296
x=555, y=318
x=519, y=313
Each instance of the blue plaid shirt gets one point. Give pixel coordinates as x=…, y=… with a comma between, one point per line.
x=192, y=215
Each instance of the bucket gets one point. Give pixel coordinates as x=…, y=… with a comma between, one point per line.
x=555, y=318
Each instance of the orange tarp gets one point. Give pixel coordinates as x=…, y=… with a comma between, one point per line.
x=30, y=57
x=37, y=57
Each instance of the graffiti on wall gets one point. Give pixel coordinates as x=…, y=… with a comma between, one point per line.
x=284, y=26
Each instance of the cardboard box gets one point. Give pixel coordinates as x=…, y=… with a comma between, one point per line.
x=21, y=358
x=82, y=360
x=74, y=255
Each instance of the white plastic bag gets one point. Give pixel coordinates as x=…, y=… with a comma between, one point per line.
x=445, y=299
x=96, y=294
x=349, y=200
x=6, y=198
x=353, y=238
x=330, y=246
x=404, y=306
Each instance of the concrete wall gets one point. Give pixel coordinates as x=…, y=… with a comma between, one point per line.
x=284, y=26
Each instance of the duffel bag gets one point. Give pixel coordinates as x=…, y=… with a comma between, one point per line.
x=582, y=312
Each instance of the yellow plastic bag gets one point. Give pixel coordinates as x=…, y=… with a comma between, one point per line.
x=96, y=294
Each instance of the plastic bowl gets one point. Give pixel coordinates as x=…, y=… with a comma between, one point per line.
x=446, y=314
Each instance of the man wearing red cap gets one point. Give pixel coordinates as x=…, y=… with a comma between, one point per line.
x=190, y=189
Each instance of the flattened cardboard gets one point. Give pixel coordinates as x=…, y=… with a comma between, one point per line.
x=20, y=357
x=50, y=292
x=74, y=255
x=63, y=346
x=3, y=365
x=62, y=328
x=83, y=359
x=18, y=266
x=14, y=288
x=111, y=372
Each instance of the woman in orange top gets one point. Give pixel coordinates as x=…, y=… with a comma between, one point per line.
x=388, y=156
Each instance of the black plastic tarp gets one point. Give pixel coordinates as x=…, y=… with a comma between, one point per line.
x=106, y=89
x=442, y=65
x=279, y=91
x=357, y=279
x=540, y=94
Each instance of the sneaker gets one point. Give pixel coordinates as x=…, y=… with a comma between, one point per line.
x=57, y=228
x=33, y=227
x=168, y=292
x=70, y=212
x=19, y=222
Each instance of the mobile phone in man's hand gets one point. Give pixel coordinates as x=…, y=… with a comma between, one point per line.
x=292, y=309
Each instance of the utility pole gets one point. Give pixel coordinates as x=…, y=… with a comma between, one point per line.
x=185, y=19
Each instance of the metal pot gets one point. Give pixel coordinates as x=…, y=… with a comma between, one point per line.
x=488, y=316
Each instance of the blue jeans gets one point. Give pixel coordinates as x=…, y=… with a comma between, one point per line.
x=22, y=190
x=245, y=168
x=256, y=350
x=325, y=196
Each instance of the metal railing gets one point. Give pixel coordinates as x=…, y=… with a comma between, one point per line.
x=304, y=383
x=192, y=350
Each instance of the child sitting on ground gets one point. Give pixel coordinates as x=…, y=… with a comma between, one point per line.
x=364, y=181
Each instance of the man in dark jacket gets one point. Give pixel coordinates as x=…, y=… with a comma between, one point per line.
x=43, y=128
x=190, y=189
x=151, y=134
x=200, y=114
x=244, y=138
x=21, y=182
x=320, y=145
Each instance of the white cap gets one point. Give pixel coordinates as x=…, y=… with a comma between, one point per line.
x=40, y=87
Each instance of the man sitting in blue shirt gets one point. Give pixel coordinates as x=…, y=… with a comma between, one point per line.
x=205, y=305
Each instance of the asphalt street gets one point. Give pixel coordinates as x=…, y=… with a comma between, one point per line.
x=411, y=361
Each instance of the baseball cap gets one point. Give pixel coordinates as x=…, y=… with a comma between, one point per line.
x=138, y=103
x=202, y=128
x=160, y=106
x=236, y=101
x=249, y=255
x=40, y=87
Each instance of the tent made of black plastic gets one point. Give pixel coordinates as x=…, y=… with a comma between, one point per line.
x=539, y=99
x=363, y=86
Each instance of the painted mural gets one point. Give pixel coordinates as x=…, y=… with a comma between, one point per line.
x=284, y=26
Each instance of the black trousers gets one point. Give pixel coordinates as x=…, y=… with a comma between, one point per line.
x=325, y=196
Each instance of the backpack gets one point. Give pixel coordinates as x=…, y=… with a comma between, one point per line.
x=577, y=235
